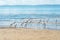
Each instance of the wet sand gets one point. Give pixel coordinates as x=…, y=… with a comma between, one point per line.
x=28, y=34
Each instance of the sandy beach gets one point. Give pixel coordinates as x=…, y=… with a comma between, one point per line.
x=28, y=34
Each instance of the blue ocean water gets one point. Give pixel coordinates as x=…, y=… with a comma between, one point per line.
x=14, y=13
x=29, y=10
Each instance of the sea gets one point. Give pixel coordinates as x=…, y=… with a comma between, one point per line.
x=19, y=16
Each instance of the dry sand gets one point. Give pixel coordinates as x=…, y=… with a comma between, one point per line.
x=28, y=34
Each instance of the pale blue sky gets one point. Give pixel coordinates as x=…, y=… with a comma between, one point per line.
x=28, y=2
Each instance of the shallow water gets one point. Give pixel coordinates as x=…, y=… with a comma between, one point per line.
x=16, y=15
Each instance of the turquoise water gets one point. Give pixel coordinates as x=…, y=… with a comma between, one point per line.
x=37, y=8
x=23, y=11
x=10, y=14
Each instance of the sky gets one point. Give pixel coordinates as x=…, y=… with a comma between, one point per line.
x=28, y=2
